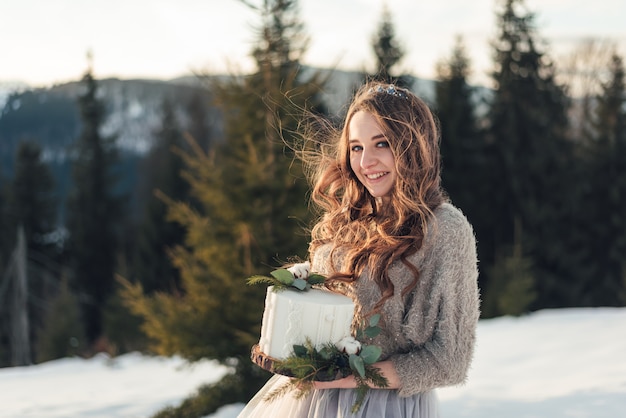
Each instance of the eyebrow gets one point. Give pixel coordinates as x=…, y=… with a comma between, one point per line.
x=371, y=139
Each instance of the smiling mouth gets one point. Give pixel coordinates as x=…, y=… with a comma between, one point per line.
x=376, y=175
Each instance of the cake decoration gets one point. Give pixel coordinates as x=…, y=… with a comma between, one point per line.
x=306, y=333
x=298, y=276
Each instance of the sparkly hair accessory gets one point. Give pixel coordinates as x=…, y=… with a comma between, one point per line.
x=390, y=89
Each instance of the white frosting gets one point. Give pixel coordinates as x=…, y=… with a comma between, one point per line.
x=291, y=316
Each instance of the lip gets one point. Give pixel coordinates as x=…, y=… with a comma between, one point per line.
x=381, y=175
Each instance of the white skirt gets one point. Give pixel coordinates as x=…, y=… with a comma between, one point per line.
x=331, y=403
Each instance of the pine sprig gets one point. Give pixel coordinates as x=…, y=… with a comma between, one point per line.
x=308, y=364
x=375, y=376
x=283, y=278
x=361, y=390
x=301, y=389
x=257, y=279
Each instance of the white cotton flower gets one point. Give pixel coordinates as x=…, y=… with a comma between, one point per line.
x=349, y=345
x=300, y=270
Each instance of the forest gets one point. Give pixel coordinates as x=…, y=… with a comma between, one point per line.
x=157, y=262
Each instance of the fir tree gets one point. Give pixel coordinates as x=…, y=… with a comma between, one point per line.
x=528, y=125
x=4, y=242
x=32, y=205
x=512, y=290
x=6, y=247
x=461, y=144
x=32, y=202
x=61, y=334
x=465, y=174
x=605, y=198
x=250, y=214
x=93, y=211
x=386, y=48
x=199, y=126
x=162, y=168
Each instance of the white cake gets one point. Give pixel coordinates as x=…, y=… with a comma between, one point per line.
x=291, y=316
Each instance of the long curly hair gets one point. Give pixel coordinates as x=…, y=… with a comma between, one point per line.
x=369, y=233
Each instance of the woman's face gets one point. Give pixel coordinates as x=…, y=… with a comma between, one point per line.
x=371, y=158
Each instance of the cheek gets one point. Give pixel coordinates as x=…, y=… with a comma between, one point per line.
x=354, y=163
x=390, y=161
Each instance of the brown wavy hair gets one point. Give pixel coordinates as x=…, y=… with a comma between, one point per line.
x=370, y=234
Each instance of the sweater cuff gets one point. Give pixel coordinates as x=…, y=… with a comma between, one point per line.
x=430, y=373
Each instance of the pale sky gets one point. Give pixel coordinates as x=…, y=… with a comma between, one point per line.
x=43, y=42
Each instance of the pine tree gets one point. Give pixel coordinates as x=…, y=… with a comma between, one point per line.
x=162, y=170
x=604, y=216
x=31, y=205
x=513, y=286
x=465, y=174
x=530, y=156
x=461, y=143
x=61, y=334
x=386, y=48
x=4, y=242
x=32, y=202
x=250, y=214
x=93, y=211
x=199, y=126
x=5, y=250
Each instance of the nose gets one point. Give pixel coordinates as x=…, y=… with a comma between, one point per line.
x=367, y=159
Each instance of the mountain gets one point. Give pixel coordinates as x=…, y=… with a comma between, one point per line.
x=9, y=87
x=50, y=116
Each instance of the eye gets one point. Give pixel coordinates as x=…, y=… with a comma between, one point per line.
x=356, y=148
x=382, y=144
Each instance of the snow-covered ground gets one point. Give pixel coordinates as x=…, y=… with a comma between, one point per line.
x=128, y=386
x=553, y=364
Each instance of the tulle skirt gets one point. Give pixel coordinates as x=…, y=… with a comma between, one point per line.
x=331, y=403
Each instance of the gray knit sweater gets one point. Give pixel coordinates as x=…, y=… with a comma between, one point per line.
x=429, y=334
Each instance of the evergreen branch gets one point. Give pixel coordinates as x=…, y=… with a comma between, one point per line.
x=307, y=364
x=361, y=391
x=376, y=377
x=254, y=280
x=280, y=391
x=284, y=278
x=332, y=361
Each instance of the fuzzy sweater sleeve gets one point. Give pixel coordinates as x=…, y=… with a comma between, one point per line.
x=439, y=324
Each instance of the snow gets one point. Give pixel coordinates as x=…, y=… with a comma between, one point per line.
x=129, y=386
x=553, y=363
x=9, y=87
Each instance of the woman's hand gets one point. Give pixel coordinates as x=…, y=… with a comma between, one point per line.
x=385, y=367
x=345, y=383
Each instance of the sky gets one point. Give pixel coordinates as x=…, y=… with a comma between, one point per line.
x=44, y=42
x=561, y=363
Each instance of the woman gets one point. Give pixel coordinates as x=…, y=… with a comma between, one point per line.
x=389, y=239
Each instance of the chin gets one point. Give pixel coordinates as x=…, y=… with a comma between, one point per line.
x=379, y=195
